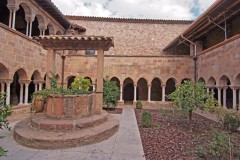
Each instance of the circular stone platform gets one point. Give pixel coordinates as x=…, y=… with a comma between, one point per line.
x=44, y=133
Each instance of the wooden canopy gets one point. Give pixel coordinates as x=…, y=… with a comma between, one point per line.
x=69, y=42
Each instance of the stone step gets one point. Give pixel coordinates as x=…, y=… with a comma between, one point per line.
x=41, y=139
x=42, y=122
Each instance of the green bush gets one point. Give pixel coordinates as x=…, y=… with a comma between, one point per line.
x=139, y=105
x=111, y=93
x=231, y=121
x=5, y=111
x=146, y=119
x=81, y=83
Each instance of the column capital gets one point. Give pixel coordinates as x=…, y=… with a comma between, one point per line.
x=234, y=87
x=163, y=85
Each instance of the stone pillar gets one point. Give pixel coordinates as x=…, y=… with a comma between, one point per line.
x=163, y=93
x=26, y=93
x=99, y=91
x=10, y=18
x=30, y=29
x=225, y=97
x=14, y=19
x=207, y=90
x=51, y=56
x=135, y=93
x=238, y=99
x=27, y=28
x=121, y=92
x=149, y=93
x=234, y=90
x=36, y=87
x=8, y=93
x=21, y=94
x=2, y=87
x=212, y=92
x=94, y=87
x=219, y=96
x=40, y=86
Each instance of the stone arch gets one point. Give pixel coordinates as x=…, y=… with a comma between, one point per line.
x=27, y=9
x=20, y=20
x=117, y=81
x=128, y=90
x=156, y=89
x=4, y=72
x=211, y=82
x=185, y=79
x=170, y=86
x=50, y=29
x=36, y=75
x=142, y=89
x=237, y=80
x=59, y=32
x=4, y=12
x=40, y=20
x=70, y=79
x=224, y=80
x=201, y=80
x=22, y=74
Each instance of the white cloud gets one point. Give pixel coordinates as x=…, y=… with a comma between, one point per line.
x=150, y=9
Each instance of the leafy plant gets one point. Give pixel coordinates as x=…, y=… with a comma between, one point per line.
x=5, y=111
x=189, y=96
x=146, y=119
x=81, y=83
x=139, y=105
x=111, y=93
x=219, y=145
x=53, y=81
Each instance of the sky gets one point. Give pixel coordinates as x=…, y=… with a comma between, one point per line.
x=141, y=9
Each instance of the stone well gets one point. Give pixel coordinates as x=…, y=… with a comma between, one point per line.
x=68, y=121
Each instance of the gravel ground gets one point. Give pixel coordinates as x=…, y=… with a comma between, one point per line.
x=169, y=138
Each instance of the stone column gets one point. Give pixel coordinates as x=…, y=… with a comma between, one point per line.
x=14, y=19
x=21, y=94
x=99, y=91
x=212, y=92
x=8, y=93
x=51, y=56
x=40, y=86
x=234, y=90
x=27, y=28
x=219, y=96
x=121, y=92
x=163, y=93
x=26, y=93
x=225, y=97
x=207, y=89
x=2, y=87
x=30, y=29
x=36, y=87
x=149, y=93
x=94, y=87
x=10, y=18
x=238, y=99
x=135, y=93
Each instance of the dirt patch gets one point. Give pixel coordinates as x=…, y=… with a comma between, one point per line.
x=169, y=139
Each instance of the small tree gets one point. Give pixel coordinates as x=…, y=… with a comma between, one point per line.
x=81, y=83
x=5, y=111
x=189, y=96
x=111, y=93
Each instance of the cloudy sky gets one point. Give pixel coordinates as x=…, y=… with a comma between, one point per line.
x=149, y=9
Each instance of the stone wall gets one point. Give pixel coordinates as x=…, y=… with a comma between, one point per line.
x=139, y=38
x=18, y=51
x=220, y=60
x=163, y=67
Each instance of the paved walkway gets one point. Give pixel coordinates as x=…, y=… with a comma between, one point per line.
x=124, y=145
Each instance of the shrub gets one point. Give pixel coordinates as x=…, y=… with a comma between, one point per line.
x=5, y=111
x=111, y=93
x=146, y=119
x=81, y=83
x=231, y=121
x=219, y=146
x=139, y=105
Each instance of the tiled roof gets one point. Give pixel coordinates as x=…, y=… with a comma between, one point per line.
x=51, y=9
x=129, y=20
x=69, y=37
